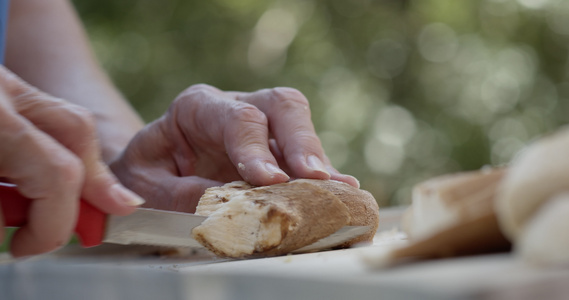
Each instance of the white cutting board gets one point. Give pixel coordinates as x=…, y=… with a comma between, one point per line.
x=340, y=274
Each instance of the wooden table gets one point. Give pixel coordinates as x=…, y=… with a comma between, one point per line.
x=340, y=274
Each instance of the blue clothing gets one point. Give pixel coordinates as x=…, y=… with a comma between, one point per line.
x=4, y=4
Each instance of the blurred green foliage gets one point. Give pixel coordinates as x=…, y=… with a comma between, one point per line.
x=400, y=90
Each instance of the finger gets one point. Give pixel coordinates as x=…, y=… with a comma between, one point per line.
x=46, y=172
x=273, y=146
x=336, y=175
x=289, y=118
x=104, y=191
x=73, y=127
x=208, y=118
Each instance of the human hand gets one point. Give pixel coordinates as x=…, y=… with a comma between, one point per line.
x=50, y=151
x=209, y=137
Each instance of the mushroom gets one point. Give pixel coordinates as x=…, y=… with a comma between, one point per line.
x=538, y=173
x=245, y=221
x=545, y=240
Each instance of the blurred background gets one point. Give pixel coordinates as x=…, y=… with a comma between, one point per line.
x=400, y=90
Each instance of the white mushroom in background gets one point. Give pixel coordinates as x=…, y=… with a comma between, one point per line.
x=537, y=176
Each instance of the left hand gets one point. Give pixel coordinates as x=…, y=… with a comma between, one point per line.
x=209, y=137
x=50, y=151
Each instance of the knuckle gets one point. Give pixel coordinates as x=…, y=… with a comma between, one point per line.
x=307, y=138
x=67, y=170
x=193, y=94
x=184, y=104
x=248, y=113
x=200, y=89
x=65, y=174
x=176, y=104
x=78, y=118
x=287, y=97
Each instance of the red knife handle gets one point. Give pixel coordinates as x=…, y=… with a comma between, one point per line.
x=90, y=227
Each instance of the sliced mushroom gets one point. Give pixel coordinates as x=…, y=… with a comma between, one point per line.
x=245, y=221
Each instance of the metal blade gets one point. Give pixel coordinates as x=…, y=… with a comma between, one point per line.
x=153, y=227
x=343, y=234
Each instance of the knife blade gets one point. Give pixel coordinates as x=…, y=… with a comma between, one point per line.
x=143, y=227
x=337, y=238
x=153, y=227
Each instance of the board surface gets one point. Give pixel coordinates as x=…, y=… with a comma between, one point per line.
x=118, y=273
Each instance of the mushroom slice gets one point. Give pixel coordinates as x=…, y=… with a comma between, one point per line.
x=245, y=221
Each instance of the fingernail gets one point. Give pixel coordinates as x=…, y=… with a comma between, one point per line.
x=316, y=164
x=356, y=180
x=125, y=196
x=349, y=179
x=275, y=171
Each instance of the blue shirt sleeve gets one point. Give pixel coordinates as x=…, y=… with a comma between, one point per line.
x=4, y=4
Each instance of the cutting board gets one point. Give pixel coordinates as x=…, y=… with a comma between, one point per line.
x=340, y=274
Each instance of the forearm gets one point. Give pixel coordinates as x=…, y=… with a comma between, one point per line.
x=47, y=47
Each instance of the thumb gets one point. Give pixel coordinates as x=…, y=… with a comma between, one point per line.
x=74, y=128
x=189, y=191
x=170, y=192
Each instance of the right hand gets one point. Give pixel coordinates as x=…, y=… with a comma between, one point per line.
x=209, y=137
x=50, y=151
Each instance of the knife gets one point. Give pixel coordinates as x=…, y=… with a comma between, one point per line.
x=143, y=227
